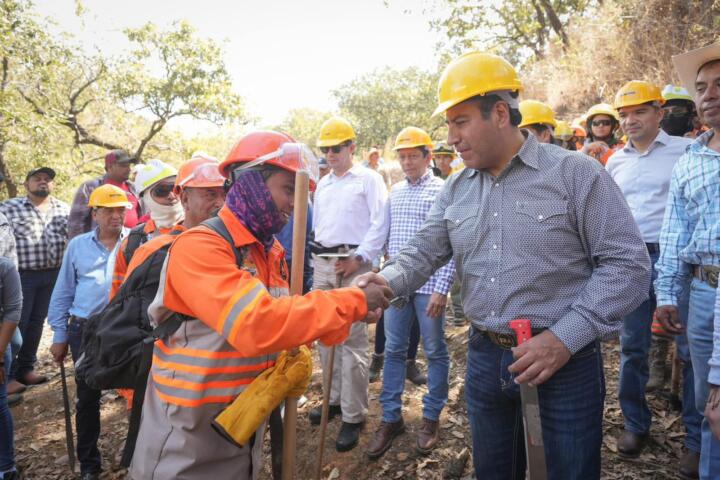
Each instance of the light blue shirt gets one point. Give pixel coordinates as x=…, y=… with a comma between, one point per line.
x=691, y=227
x=644, y=179
x=83, y=283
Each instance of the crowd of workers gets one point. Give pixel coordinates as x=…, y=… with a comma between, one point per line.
x=601, y=226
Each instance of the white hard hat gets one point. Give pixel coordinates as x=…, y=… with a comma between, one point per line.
x=150, y=173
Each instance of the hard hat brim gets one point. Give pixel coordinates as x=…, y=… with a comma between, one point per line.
x=332, y=143
x=127, y=205
x=448, y=104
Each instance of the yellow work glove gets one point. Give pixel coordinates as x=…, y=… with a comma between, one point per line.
x=289, y=377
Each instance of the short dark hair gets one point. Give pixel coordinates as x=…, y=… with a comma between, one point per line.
x=486, y=103
x=539, y=128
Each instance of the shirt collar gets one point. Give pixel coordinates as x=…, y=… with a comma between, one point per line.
x=528, y=153
x=354, y=170
x=422, y=180
x=701, y=142
x=662, y=138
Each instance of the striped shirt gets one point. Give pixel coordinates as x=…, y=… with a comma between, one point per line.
x=691, y=226
x=40, y=237
x=408, y=208
x=550, y=239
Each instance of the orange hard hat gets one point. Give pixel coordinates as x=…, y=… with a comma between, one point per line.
x=201, y=171
x=267, y=147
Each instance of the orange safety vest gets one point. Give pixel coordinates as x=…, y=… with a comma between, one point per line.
x=121, y=263
x=240, y=318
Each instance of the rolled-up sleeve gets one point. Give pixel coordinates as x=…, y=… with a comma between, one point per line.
x=427, y=251
x=620, y=280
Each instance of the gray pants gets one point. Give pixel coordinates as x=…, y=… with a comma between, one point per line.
x=350, y=369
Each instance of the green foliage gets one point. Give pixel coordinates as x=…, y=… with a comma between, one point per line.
x=516, y=29
x=303, y=124
x=383, y=102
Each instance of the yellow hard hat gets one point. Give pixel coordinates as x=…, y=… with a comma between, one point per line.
x=534, y=112
x=335, y=131
x=411, y=137
x=109, y=196
x=637, y=92
x=475, y=73
x=601, y=109
x=563, y=130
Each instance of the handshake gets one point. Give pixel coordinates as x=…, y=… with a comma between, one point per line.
x=377, y=294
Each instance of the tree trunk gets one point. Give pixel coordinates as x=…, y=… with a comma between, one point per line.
x=10, y=184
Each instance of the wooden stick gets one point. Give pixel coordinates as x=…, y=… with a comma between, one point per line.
x=302, y=187
x=325, y=412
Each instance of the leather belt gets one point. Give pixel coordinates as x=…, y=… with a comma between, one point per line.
x=708, y=274
x=503, y=340
x=318, y=249
x=652, y=248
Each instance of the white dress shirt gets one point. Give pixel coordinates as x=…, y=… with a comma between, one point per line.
x=351, y=210
x=644, y=179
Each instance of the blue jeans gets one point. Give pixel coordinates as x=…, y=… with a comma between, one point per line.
x=634, y=373
x=571, y=411
x=380, y=338
x=7, y=447
x=700, y=339
x=37, y=287
x=398, y=322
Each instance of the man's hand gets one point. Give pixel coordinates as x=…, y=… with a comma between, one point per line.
x=377, y=296
x=539, y=358
x=596, y=149
x=59, y=351
x=436, y=305
x=367, y=278
x=347, y=266
x=712, y=410
x=668, y=317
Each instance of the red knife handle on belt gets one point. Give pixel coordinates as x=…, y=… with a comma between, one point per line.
x=523, y=330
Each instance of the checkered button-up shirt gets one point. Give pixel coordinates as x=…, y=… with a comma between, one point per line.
x=550, y=239
x=408, y=208
x=40, y=238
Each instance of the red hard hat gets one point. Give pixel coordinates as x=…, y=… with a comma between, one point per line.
x=280, y=149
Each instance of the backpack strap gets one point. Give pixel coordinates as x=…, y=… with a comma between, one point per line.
x=216, y=224
x=136, y=237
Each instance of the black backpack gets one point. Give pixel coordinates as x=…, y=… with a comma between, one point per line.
x=118, y=341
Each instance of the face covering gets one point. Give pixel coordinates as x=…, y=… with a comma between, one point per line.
x=677, y=126
x=164, y=216
x=251, y=202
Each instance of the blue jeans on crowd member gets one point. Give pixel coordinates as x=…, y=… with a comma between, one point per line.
x=380, y=338
x=635, y=342
x=571, y=411
x=37, y=287
x=7, y=447
x=87, y=414
x=398, y=323
x=700, y=340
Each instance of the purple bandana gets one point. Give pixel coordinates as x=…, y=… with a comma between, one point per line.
x=250, y=201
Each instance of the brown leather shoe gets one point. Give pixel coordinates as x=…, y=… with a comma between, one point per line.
x=631, y=444
x=427, y=437
x=14, y=386
x=383, y=438
x=689, y=465
x=32, y=378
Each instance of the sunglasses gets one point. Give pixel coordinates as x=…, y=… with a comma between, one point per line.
x=601, y=123
x=334, y=148
x=676, y=111
x=162, y=190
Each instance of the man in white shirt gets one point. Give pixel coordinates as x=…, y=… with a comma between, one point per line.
x=642, y=169
x=349, y=219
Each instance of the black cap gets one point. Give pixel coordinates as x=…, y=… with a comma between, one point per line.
x=118, y=156
x=48, y=170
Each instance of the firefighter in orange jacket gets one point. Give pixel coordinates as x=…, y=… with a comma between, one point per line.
x=241, y=317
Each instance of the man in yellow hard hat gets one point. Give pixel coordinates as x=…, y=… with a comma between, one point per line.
x=410, y=202
x=443, y=156
x=538, y=233
x=642, y=169
x=539, y=118
x=602, y=124
x=82, y=289
x=351, y=226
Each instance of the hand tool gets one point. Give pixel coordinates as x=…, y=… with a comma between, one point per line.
x=534, y=448
x=68, y=419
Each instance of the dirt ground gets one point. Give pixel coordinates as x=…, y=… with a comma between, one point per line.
x=41, y=451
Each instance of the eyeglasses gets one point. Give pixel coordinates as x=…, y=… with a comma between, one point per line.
x=601, y=123
x=334, y=148
x=162, y=190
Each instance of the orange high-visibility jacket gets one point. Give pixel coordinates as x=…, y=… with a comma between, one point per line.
x=240, y=318
x=121, y=263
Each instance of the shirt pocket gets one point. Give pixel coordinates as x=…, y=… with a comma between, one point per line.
x=459, y=221
x=549, y=212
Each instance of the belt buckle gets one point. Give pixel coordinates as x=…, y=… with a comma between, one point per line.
x=712, y=277
x=503, y=340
